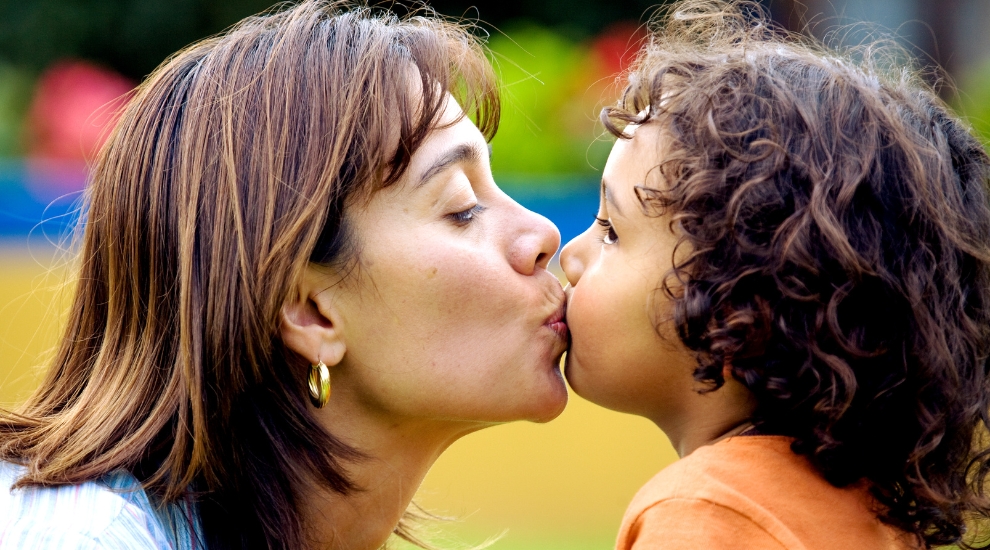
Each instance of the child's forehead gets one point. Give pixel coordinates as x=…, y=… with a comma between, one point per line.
x=648, y=139
x=634, y=161
x=639, y=145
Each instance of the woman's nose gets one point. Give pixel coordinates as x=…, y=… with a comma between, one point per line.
x=533, y=247
x=571, y=261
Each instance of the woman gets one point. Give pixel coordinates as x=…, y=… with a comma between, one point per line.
x=298, y=285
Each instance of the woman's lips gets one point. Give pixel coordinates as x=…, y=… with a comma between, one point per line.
x=557, y=323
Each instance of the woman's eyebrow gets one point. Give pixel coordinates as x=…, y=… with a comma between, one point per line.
x=464, y=152
x=609, y=198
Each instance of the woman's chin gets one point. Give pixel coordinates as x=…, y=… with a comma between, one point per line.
x=540, y=402
x=555, y=402
x=545, y=402
x=548, y=395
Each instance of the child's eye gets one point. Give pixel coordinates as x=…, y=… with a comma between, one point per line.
x=610, y=237
x=465, y=217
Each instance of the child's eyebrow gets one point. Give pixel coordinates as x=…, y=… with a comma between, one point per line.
x=609, y=198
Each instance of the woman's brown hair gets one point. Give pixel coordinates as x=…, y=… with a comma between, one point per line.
x=230, y=171
x=834, y=222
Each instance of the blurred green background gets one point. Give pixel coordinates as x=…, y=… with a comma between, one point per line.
x=563, y=485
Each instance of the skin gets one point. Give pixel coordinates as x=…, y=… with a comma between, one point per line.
x=448, y=322
x=625, y=354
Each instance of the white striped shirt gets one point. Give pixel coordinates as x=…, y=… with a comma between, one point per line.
x=111, y=513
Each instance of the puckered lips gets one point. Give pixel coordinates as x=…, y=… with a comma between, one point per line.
x=556, y=321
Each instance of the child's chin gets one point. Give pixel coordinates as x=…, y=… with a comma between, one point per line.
x=578, y=381
x=583, y=383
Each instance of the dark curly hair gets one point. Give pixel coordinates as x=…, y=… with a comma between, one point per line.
x=836, y=225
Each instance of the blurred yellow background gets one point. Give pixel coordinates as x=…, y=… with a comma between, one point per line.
x=557, y=486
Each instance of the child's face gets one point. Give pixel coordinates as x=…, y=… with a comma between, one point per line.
x=617, y=358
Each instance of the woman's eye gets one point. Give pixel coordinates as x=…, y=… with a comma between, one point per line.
x=465, y=217
x=609, y=237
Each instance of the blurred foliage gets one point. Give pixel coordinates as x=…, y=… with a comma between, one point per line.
x=551, y=97
x=576, y=18
x=132, y=36
x=15, y=94
x=554, y=82
x=974, y=100
x=550, y=100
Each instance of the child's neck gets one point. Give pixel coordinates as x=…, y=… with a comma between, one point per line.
x=710, y=417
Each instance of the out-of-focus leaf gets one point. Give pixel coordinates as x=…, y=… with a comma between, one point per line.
x=974, y=102
x=15, y=94
x=550, y=104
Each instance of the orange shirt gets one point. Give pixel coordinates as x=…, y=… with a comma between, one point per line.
x=754, y=493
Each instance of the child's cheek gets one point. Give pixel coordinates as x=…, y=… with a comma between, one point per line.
x=590, y=318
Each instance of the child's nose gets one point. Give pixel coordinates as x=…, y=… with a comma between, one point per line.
x=571, y=262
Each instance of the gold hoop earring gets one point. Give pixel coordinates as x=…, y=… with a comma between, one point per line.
x=319, y=384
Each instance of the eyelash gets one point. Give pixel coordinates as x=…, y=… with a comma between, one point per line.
x=609, y=237
x=465, y=217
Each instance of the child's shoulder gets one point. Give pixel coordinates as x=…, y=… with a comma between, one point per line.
x=758, y=488
x=718, y=471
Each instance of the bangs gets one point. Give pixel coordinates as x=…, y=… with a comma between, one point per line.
x=447, y=60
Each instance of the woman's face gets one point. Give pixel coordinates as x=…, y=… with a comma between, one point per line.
x=450, y=312
x=618, y=358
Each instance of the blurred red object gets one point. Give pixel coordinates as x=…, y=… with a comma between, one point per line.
x=612, y=53
x=616, y=47
x=75, y=105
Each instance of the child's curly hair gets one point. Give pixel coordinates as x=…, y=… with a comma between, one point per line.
x=836, y=227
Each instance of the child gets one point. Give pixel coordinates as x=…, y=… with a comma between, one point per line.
x=789, y=275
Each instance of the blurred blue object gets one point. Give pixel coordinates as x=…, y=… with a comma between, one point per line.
x=37, y=204
x=31, y=206
x=570, y=203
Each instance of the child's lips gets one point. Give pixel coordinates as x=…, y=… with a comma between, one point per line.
x=568, y=290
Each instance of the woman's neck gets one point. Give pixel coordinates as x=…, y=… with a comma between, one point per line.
x=399, y=454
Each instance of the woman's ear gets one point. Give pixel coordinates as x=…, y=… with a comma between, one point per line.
x=311, y=324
